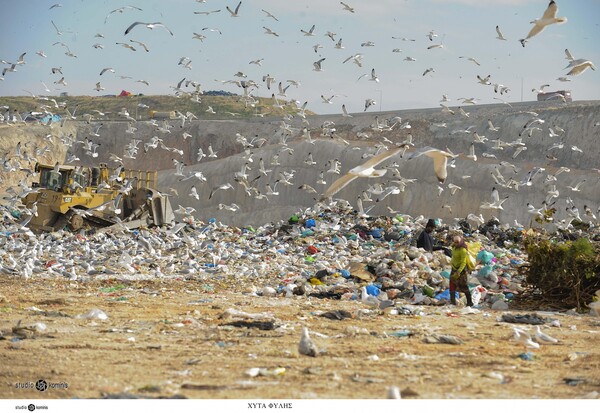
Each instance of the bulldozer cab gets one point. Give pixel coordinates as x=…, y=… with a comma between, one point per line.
x=64, y=179
x=51, y=180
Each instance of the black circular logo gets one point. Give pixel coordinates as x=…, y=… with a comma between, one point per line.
x=41, y=385
x=31, y=407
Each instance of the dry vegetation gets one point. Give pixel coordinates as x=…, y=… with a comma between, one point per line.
x=226, y=107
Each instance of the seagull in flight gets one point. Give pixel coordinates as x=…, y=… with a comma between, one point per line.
x=120, y=10
x=310, y=32
x=149, y=26
x=269, y=31
x=496, y=201
x=431, y=69
x=492, y=127
x=224, y=187
x=500, y=35
x=471, y=59
x=357, y=59
x=107, y=69
x=472, y=154
x=207, y=12
x=579, y=66
x=548, y=18
x=568, y=55
x=369, y=103
x=234, y=13
x=317, y=65
x=366, y=170
x=374, y=76
x=345, y=112
x=541, y=88
x=440, y=160
x=269, y=15
x=484, y=80
x=576, y=187
x=141, y=44
x=347, y=7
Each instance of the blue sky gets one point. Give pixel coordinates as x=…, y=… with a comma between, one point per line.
x=464, y=27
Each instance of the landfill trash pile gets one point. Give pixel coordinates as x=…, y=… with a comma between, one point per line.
x=327, y=304
x=328, y=253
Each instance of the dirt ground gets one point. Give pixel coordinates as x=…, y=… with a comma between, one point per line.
x=168, y=338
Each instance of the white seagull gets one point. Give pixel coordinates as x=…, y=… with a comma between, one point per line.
x=107, y=69
x=579, y=66
x=548, y=18
x=269, y=15
x=120, y=10
x=234, y=13
x=541, y=336
x=306, y=346
x=317, y=65
x=347, y=7
x=194, y=193
x=484, y=80
x=568, y=55
x=366, y=170
x=345, y=112
x=576, y=187
x=470, y=59
x=431, y=69
x=149, y=26
x=524, y=338
x=309, y=32
x=471, y=154
x=269, y=31
x=374, y=76
x=440, y=160
x=500, y=35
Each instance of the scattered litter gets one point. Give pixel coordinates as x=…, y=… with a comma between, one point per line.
x=94, y=314
x=231, y=312
x=442, y=339
x=260, y=325
x=337, y=314
x=526, y=356
x=572, y=381
x=522, y=319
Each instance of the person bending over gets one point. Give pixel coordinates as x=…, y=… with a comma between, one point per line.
x=427, y=242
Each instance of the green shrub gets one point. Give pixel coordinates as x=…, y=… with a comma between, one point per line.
x=565, y=274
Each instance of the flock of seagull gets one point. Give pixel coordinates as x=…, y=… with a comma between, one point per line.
x=385, y=150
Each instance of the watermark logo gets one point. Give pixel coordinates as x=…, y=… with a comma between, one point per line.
x=41, y=385
x=31, y=407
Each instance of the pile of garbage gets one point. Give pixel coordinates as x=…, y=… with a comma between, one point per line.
x=329, y=253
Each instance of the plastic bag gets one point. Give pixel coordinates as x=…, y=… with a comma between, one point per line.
x=476, y=296
x=473, y=249
x=485, y=256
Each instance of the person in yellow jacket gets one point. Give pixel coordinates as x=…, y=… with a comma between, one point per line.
x=458, y=276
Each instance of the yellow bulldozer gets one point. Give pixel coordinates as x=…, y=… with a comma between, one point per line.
x=79, y=197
